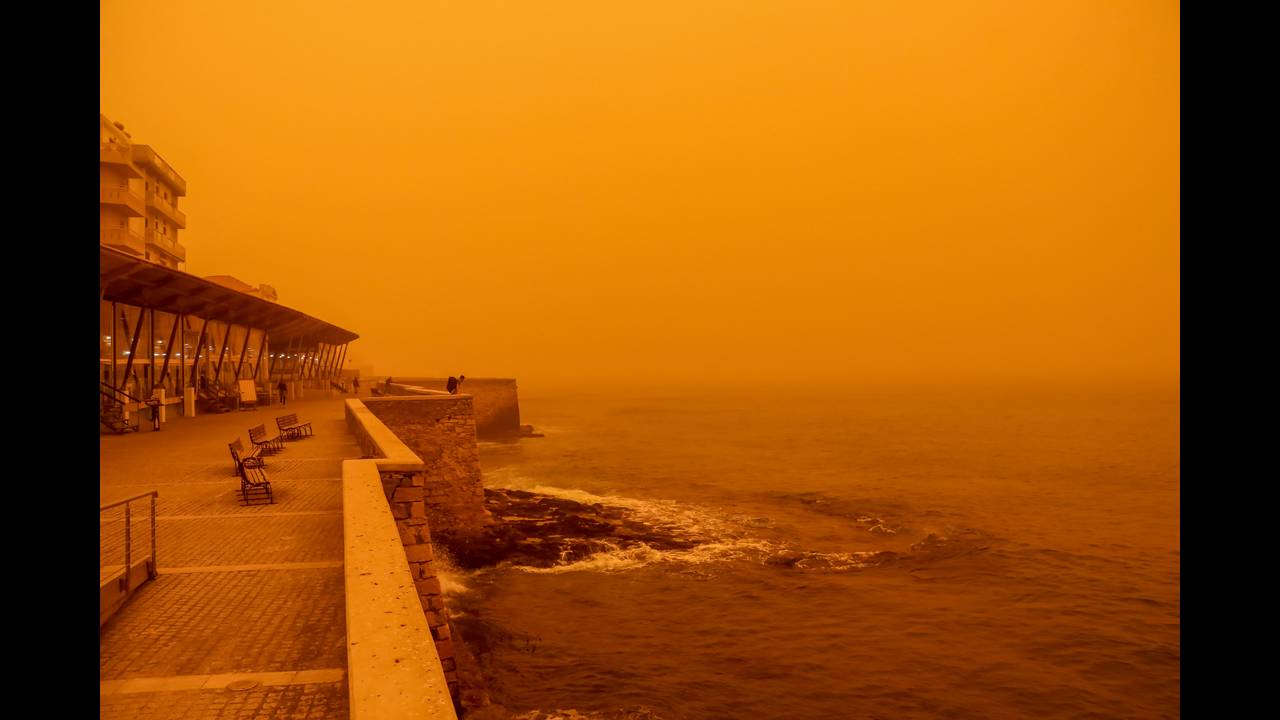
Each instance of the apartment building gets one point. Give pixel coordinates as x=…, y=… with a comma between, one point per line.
x=122, y=206
x=139, y=199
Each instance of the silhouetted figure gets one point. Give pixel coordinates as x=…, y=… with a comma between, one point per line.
x=283, y=390
x=355, y=385
x=452, y=385
x=461, y=378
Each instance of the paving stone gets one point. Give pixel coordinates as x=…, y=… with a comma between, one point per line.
x=288, y=620
x=208, y=623
x=318, y=701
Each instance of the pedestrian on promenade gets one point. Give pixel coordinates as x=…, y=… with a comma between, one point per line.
x=355, y=385
x=283, y=390
x=461, y=378
x=452, y=385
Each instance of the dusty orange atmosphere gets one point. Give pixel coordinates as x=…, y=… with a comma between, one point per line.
x=826, y=189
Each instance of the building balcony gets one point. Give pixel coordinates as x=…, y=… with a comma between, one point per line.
x=120, y=157
x=123, y=198
x=145, y=157
x=172, y=248
x=162, y=206
x=124, y=239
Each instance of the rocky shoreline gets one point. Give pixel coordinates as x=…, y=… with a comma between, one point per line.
x=540, y=531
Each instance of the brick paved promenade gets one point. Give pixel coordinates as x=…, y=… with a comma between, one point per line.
x=250, y=593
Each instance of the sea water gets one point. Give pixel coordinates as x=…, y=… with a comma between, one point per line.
x=902, y=552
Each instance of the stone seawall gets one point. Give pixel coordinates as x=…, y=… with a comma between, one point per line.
x=441, y=431
x=400, y=660
x=496, y=402
x=403, y=478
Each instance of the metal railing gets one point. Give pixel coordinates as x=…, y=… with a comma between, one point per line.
x=128, y=536
x=114, y=393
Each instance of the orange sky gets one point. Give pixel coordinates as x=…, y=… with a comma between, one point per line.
x=550, y=189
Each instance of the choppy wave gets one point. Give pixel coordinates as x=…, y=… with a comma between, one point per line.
x=617, y=559
x=872, y=516
x=635, y=713
x=718, y=538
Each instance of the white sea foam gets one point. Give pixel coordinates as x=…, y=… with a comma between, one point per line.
x=640, y=555
x=451, y=584
x=689, y=521
x=720, y=538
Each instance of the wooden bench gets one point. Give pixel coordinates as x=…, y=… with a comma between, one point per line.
x=262, y=443
x=238, y=456
x=254, y=483
x=291, y=428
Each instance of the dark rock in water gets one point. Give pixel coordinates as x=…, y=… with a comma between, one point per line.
x=785, y=559
x=543, y=531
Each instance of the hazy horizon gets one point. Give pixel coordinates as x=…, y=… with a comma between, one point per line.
x=578, y=192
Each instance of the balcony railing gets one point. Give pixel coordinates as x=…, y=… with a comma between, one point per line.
x=124, y=239
x=164, y=244
x=144, y=156
x=119, y=156
x=178, y=217
x=123, y=197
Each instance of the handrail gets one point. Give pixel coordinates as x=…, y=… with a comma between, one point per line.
x=128, y=535
x=115, y=391
x=129, y=499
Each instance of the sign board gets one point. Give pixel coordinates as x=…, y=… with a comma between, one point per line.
x=248, y=392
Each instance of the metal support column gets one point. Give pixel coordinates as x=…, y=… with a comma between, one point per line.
x=133, y=348
x=195, y=363
x=217, y=371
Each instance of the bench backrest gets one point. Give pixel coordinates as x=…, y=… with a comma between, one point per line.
x=257, y=432
x=237, y=449
x=285, y=421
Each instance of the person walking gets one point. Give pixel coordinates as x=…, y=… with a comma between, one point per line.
x=283, y=390
x=355, y=385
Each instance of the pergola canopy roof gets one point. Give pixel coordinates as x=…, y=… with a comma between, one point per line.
x=134, y=281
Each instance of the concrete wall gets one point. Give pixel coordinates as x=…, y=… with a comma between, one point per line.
x=441, y=431
x=497, y=405
x=404, y=481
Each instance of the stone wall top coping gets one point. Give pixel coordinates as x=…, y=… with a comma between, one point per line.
x=414, y=389
x=395, y=455
x=393, y=669
x=424, y=378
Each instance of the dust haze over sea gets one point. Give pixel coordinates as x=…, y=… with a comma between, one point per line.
x=900, y=553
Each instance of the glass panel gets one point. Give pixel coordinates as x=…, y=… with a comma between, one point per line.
x=212, y=353
x=264, y=368
x=251, y=354
x=143, y=358
x=191, y=339
x=126, y=323
x=166, y=366
x=235, y=348
x=105, y=338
